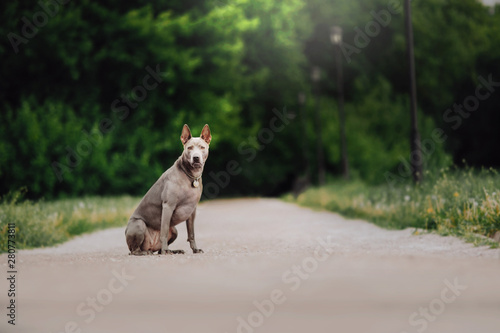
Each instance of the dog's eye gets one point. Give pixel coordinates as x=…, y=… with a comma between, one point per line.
x=190, y=148
x=202, y=147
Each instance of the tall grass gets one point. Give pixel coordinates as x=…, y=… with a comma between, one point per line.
x=39, y=224
x=464, y=203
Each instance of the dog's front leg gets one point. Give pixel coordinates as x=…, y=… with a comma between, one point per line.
x=166, y=216
x=190, y=231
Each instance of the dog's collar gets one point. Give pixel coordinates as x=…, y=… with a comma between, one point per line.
x=195, y=180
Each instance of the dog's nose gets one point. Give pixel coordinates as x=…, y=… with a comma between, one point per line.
x=196, y=159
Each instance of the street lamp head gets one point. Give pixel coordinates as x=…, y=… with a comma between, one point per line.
x=336, y=35
x=316, y=74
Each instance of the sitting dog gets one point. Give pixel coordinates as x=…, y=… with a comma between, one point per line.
x=171, y=200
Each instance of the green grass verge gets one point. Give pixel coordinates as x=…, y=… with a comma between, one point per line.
x=464, y=203
x=40, y=224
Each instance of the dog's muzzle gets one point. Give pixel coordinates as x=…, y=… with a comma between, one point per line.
x=196, y=161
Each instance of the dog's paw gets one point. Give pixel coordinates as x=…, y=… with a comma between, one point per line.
x=171, y=252
x=140, y=253
x=198, y=251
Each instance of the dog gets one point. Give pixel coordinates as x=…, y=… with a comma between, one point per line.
x=171, y=200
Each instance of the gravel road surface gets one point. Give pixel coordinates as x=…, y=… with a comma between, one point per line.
x=268, y=266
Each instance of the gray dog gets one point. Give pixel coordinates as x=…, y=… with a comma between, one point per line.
x=171, y=200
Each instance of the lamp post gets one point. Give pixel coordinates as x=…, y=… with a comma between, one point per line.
x=416, y=153
x=336, y=39
x=305, y=155
x=315, y=77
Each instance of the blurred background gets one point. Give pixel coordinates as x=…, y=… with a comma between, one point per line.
x=93, y=94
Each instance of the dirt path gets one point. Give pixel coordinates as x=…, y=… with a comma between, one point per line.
x=268, y=266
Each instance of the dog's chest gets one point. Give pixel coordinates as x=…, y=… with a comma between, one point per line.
x=186, y=207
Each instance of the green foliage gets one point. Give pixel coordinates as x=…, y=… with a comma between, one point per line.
x=467, y=203
x=229, y=64
x=464, y=203
x=40, y=224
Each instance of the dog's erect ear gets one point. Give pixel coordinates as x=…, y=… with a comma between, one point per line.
x=205, y=134
x=186, y=134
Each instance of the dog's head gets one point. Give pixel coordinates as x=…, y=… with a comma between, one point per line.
x=196, y=149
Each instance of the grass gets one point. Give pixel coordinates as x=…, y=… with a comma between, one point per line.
x=41, y=223
x=463, y=203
